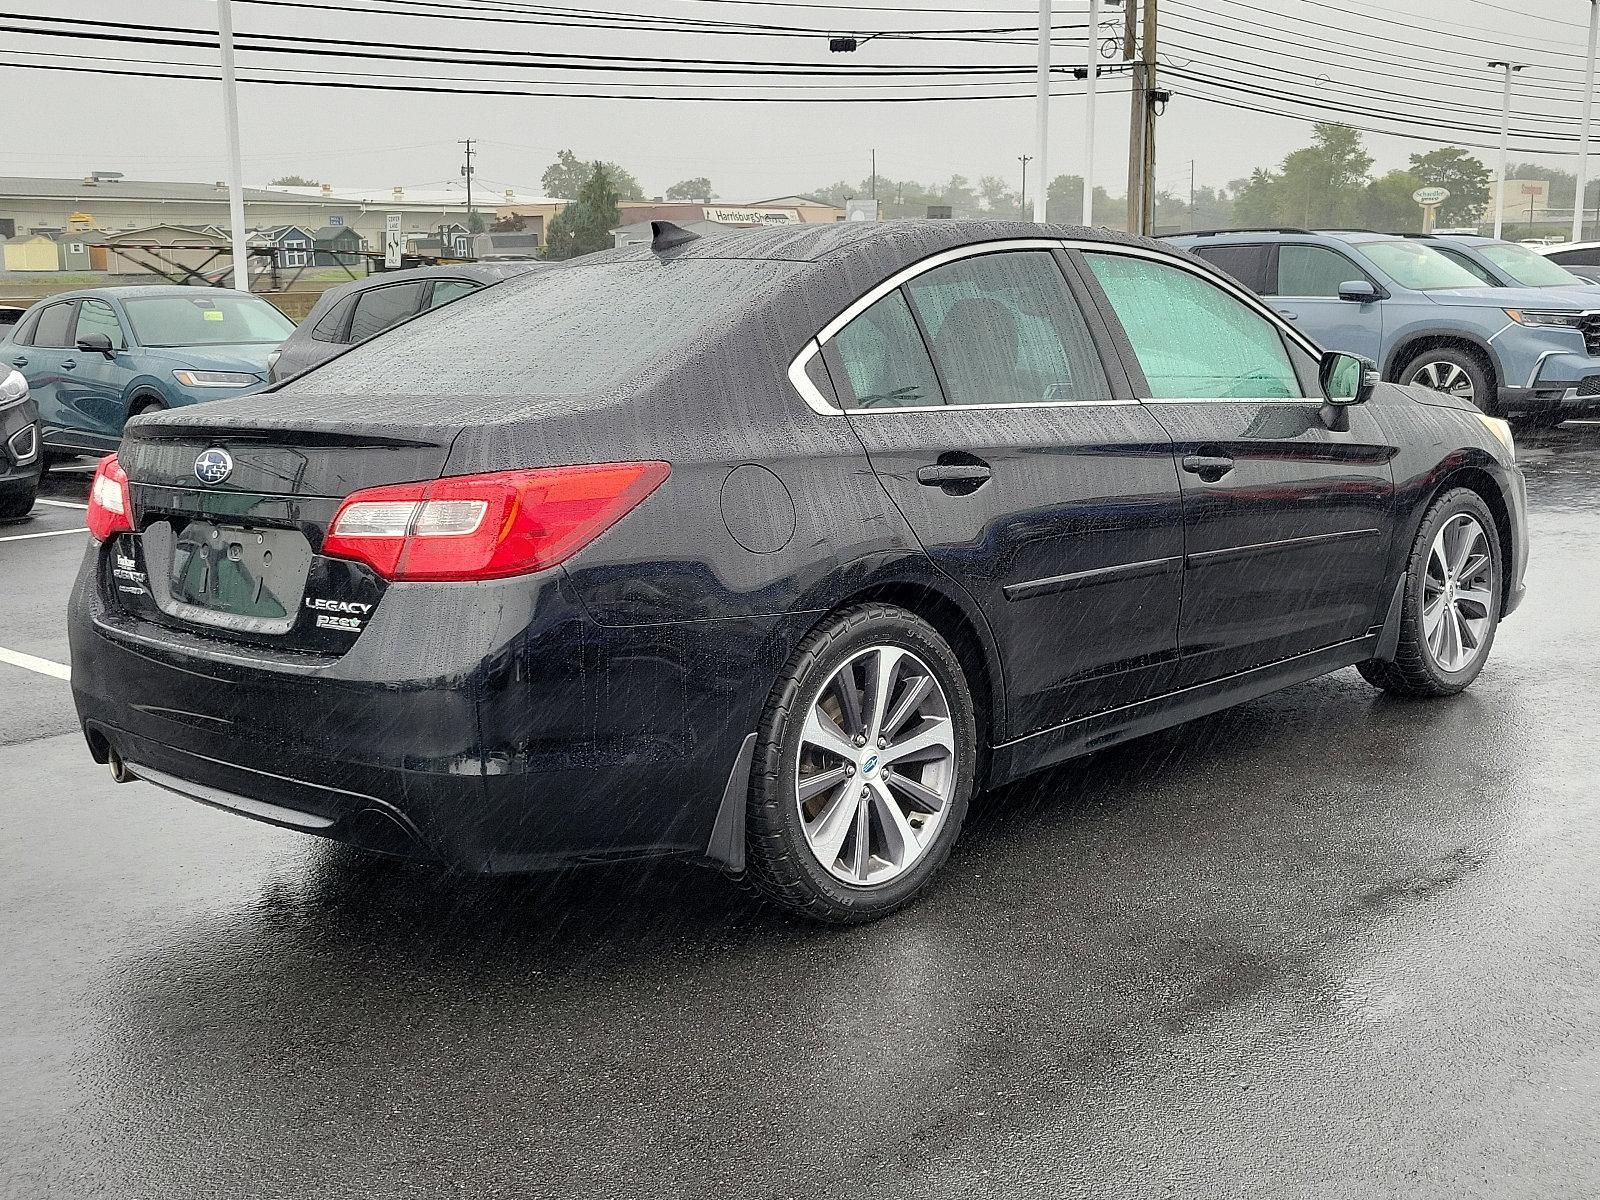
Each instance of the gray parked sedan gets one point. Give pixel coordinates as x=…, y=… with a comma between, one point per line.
x=364, y=308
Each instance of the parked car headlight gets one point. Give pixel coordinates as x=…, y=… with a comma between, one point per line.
x=1502, y=431
x=13, y=389
x=1561, y=320
x=215, y=378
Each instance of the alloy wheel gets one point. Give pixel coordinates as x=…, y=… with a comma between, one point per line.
x=1444, y=376
x=1457, y=593
x=877, y=766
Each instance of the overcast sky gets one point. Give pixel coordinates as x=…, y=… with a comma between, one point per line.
x=67, y=124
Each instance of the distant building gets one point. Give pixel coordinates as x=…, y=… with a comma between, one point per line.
x=336, y=246
x=165, y=249
x=506, y=245
x=292, y=247
x=32, y=253
x=79, y=249
x=639, y=232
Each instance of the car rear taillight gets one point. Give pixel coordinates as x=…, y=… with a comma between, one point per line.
x=110, y=508
x=487, y=526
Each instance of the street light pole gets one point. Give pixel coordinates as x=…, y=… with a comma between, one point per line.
x=1042, y=119
x=1088, y=116
x=230, y=119
x=1583, y=137
x=1505, y=135
x=1022, y=200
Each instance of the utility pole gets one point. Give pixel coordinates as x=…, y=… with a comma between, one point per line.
x=1583, y=138
x=230, y=119
x=1505, y=136
x=874, y=183
x=1022, y=198
x=466, y=173
x=1191, y=193
x=1041, y=149
x=1142, y=122
x=1088, y=115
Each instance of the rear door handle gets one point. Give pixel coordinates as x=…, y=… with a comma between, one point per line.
x=944, y=474
x=19, y=362
x=69, y=363
x=1210, y=467
x=1286, y=314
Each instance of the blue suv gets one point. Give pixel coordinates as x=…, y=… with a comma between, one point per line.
x=1528, y=352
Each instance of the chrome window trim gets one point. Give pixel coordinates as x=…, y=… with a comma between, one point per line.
x=819, y=404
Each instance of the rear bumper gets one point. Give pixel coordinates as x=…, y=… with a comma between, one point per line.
x=494, y=728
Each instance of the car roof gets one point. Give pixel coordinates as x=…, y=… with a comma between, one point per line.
x=134, y=292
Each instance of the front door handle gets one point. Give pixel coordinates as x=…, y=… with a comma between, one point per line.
x=69, y=364
x=19, y=362
x=1210, y=467
x=945, y=474
x=1286, y=314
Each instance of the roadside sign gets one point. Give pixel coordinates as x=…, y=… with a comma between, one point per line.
x=393, y=241
x=336, y=220
x=1430, y=197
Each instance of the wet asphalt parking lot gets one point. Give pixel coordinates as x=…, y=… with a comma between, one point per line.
x=1327, y=944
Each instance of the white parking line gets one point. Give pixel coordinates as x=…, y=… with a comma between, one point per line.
x=29, y=663
x=22, y=537
x=59, y=503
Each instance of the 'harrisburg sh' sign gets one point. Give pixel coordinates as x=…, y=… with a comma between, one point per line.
x=753, y=216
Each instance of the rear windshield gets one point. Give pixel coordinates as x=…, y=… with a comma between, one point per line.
x=569, y=331
x=210, y=317
x=1418, y=267
x=1528, y=267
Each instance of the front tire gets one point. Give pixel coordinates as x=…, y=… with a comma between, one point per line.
x=1452, y=601
x=16, y=505
x=1456, y=373
x=864, y=766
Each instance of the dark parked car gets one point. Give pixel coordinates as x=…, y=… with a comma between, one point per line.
x=353, y=312
x=19, y=447
x=802, y=538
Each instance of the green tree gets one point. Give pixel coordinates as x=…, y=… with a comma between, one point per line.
x=294, y=181
x=585, y=225
x=999, y=201
x=1389, y=206
x=566, y=177
x=698, y=188
x=1318, y=186
x=1466, y=179
x=1063, y=203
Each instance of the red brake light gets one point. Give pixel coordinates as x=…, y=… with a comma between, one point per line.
x=487, y=526
x=110, y=507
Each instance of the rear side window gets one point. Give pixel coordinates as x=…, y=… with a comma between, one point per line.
x=446, y=290
x=51, y=331
x=885, y=361
x=1250, y=265
x=1314, y=271
x=382, y=307
x=1589, y=256
x=330, y=325
x=1004, y=329
x=1193, y=340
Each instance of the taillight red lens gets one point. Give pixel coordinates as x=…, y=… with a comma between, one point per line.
x=110, y=506
x=487, y=526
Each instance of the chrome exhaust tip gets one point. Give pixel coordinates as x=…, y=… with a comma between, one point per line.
x=120, y=771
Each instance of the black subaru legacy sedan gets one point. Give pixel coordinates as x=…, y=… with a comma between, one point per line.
x=770, y=550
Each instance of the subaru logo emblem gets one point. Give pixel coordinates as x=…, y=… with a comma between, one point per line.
x=213, y=466
x=871, y=765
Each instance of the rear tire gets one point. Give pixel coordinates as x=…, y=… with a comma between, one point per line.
x=15, y=505
x=1452, y=601
x=1458, y=373
x=145, y=404
x=855, y=798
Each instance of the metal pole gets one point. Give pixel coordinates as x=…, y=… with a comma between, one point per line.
x=1583, y=138
x=1042, y=119
x=230, y=119
x=1088, y=116
x=1022, y=199
x=1500, y=170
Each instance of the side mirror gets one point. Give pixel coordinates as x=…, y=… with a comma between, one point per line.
x=97, y=343
x=1346, y=379
x=1359, y=291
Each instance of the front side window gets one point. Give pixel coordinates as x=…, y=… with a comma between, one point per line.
x=1313, y=271
x=381, y=307
x=1193, y=340
x=885, y=361
x=96, y=316
x=1004, y=329
x=211, y=317
x=1418, y=267
x=54, y=322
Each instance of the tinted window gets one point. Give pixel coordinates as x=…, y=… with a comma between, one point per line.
x=381, y=307
x=1313, y=271
x=211, y=317
x=1587, y=257
x=30, y=322
x=1192, y=339
x=52, y=327
x=96, y=316
x=885, y=360
x=446, y=290
x=1005, y=330
x=1250, y=265
x=330, y=326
